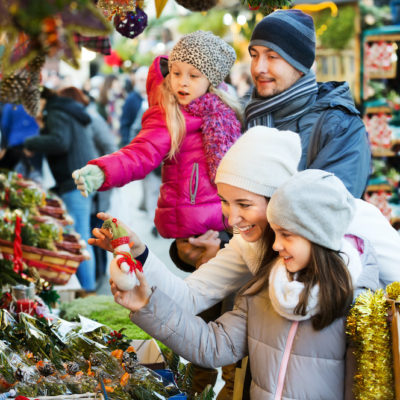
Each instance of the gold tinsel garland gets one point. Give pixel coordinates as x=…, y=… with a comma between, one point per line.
x=393, y=291
x=368, y=328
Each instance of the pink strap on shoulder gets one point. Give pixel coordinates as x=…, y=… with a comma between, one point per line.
x=285, y=360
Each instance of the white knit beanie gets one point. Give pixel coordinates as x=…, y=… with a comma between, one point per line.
x=314, y=204
x=261, y=160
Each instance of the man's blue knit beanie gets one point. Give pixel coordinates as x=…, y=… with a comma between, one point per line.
x=291, y=34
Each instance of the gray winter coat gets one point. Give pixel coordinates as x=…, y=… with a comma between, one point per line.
x=343, y=147
x=316, y=368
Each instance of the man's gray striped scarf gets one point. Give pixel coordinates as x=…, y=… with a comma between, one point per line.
x=260, y=110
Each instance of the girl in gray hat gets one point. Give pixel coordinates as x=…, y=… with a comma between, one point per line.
x=289, y=319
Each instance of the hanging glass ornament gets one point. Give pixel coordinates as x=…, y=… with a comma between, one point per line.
x=196, y=5
x=132, y=24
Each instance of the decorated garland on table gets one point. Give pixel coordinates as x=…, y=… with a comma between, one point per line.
x=368, y=328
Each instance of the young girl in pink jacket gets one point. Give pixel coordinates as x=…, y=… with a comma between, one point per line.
x=189, y=126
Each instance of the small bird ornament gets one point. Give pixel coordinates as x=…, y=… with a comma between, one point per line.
x=123, y=265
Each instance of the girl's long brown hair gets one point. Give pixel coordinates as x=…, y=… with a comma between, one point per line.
x=326, y=268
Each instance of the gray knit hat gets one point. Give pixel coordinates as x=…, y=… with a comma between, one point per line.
x=291, y=34
x=314, y=204
x=208, y=53
x=261, y=160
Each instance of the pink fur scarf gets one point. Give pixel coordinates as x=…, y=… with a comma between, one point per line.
x=220, y=128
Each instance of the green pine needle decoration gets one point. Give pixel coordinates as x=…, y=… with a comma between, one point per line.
x=207, y=394
x=8, y=275
x=172, y=359
x=104, y=310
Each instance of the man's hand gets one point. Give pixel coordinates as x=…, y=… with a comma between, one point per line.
x=197, y=251
x=103, y=237
x=133, y=299
x=88, y=179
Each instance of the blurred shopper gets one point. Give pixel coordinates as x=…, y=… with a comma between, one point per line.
x=67, y=144
x=110, y=102
x=242, y=82
x=17, y=125
x=152, y=181
x=134, y=107
x=102, y=138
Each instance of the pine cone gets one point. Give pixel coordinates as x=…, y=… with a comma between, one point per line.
x=37, y=63
x=100, y=374
x=19, y=374
x=31, y=100
x=129, y=359
x=94, y=360
x=12, y=88
x=46, y=369
x=196, y=5
x=72, y=367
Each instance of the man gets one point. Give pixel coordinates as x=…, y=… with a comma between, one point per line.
x=286, y=96
x=67, y=144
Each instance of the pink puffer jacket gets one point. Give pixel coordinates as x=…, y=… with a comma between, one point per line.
x=188, y=203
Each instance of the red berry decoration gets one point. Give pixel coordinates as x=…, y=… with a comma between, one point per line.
x=131, y=24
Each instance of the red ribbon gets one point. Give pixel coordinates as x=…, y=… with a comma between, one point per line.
x=18, y=246
x=120, y=241
x=127, y=257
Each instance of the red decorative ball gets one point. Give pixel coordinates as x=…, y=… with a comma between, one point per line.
x=132, y=24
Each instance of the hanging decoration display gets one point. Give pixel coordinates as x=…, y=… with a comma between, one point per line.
x=266, y=6
x=33, y=30
x=196, y=5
